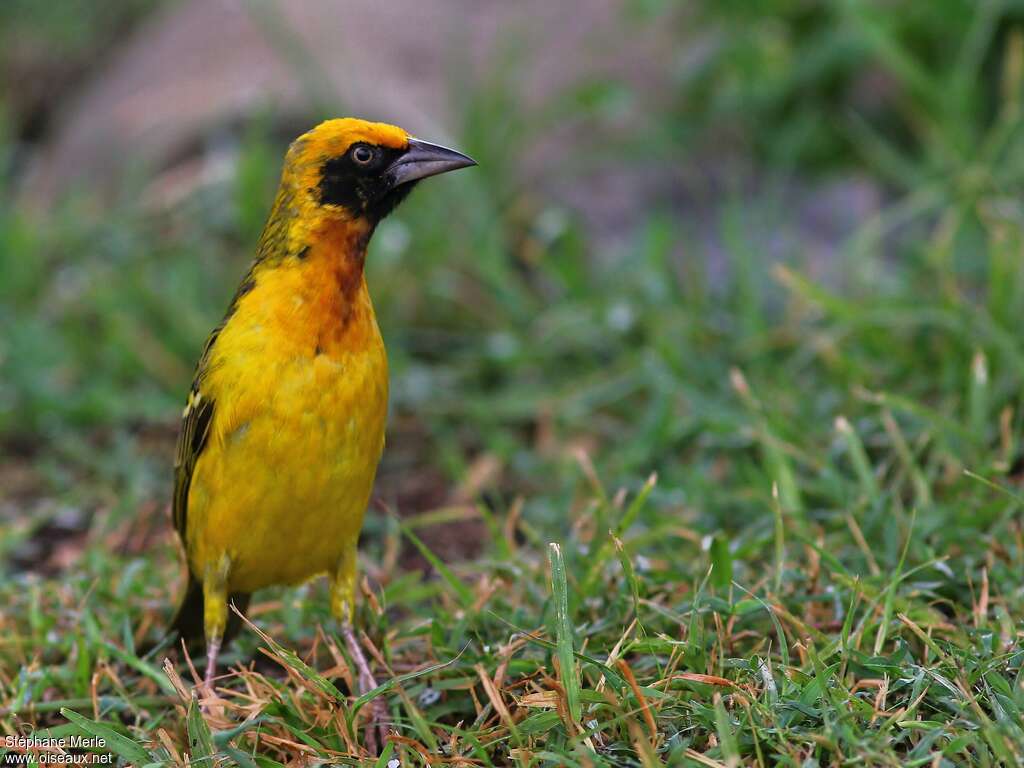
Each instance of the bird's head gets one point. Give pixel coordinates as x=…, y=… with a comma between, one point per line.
x=353, y=169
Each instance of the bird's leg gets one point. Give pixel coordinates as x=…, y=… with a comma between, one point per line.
x=215, y=615
x=343, y=589
x=212, y=650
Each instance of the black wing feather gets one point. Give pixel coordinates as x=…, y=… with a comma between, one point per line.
x=195, y=429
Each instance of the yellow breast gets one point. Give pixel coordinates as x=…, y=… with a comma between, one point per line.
x=299, y=379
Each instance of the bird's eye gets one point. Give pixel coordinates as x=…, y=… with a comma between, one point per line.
x=362, y=155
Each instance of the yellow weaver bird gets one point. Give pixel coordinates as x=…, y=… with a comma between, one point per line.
x=284, y=424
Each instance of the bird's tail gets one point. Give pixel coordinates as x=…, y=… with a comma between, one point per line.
x=188, y=622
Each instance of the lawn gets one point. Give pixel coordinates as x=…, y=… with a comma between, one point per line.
x=682, y=492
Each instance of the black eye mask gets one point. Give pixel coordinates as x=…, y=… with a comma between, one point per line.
x=360, y=188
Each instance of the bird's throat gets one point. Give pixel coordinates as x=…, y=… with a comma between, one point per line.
x=334, y=285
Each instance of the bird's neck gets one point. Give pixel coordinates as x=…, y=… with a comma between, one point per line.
x=333, y=304
x=336, y=252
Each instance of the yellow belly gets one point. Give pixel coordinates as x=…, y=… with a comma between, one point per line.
x=284, y=493
x=283, y=483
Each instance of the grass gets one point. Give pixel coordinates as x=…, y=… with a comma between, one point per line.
x=764, y=519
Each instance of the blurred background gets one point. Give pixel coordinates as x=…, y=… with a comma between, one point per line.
x=699, y=233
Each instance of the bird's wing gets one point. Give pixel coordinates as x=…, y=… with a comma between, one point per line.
x=197, y=418
x=195, y=428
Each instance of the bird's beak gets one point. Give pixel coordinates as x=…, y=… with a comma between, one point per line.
x=423, y=159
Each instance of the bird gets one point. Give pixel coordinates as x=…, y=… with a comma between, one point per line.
x=283, y=426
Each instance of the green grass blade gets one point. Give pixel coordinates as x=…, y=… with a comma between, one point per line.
x=564, y=631
x=113, y=741
x=200, y=739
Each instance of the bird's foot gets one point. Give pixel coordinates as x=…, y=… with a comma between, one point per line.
x=376, y=731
